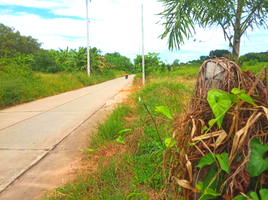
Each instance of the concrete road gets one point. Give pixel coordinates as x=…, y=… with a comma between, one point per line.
x=30, y=131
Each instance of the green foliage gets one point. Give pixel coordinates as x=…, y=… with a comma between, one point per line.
x=12, y=42
x=209, y=194
x=147, y=168
x=206, y=160
x=219, y=102
x=111, y=181
x=165, y=111
x=223, y=160
x=152, y=63
x=119, y=62
x=257, y=164
x=180, y=17
x=264, y=194
x=240, y=197
x=256, y=57
x=219, y=53
x=44, y=62
x=209, y=159
x=132, y=195
x=254, y=195
x=120, y=140
x=163, y=93
x=169, y=142
x=109, y=130
x=20, y=84
x=241, y=94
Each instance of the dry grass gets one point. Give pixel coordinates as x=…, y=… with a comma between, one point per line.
x=241, y=123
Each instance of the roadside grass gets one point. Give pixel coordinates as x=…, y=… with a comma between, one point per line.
x=111, y=181
x=255, y=67
x=20, y=84
x=109, y=130
x=136, y=167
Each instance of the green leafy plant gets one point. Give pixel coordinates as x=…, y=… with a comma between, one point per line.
x=210, y=159
x=169, y=142
x=165, y=111
x=257, y=164
x=253, y=195
x=220, y=102
x=122, y=134
x=132, y=195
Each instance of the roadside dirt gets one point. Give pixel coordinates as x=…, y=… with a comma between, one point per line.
x=63, y=163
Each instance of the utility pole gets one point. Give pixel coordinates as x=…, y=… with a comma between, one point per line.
x=143, y=70
x=88, y=51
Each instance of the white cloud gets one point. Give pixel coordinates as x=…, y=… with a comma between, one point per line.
x=116, y=27
x=32, y=3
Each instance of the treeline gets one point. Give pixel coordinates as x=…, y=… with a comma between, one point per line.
x=260, y=57
x=19, y=50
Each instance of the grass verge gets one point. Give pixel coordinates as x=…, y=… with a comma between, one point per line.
x=131, y=170
x=20, y=84
x=133, y=167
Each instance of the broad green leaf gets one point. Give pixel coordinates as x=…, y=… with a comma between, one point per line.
x=236, y=91
x=132, y=195
x=233, y=98
x=253, y=195
x=206, y=160
x=257, y=164
x=240, y=197
x=223, y=160
x=264, y=194
x=123, y=131
x=247, y=98
x=120, y=140
x=164, y=110
x=199, y=186
x=219, y=102
x=212, y=172
x=168, y=142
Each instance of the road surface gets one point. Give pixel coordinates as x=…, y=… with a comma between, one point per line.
x=31, y=131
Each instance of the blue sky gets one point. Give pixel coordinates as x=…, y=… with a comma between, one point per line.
x=115, y=25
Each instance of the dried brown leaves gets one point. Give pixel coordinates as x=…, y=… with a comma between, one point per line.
x=241, y=123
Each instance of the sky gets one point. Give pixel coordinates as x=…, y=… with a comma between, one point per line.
x=115, y=26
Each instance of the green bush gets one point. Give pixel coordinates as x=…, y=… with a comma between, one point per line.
x=44, y=62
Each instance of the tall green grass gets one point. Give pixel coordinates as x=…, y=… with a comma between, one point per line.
x=20, y=84
x=255, y=67
x=139, y=170
x=108, y=131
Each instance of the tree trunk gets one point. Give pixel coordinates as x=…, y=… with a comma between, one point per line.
x=237, y=31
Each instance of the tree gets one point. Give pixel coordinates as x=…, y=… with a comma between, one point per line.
x=119, y=61
x=152, y=61
x=12, y=42
x=176, y=63
x=220, y=53
x=235, y=17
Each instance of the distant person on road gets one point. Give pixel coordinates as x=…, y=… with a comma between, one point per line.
x=126, y=76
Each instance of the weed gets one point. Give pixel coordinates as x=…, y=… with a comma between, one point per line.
x=108, y=131
x=20, y=84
